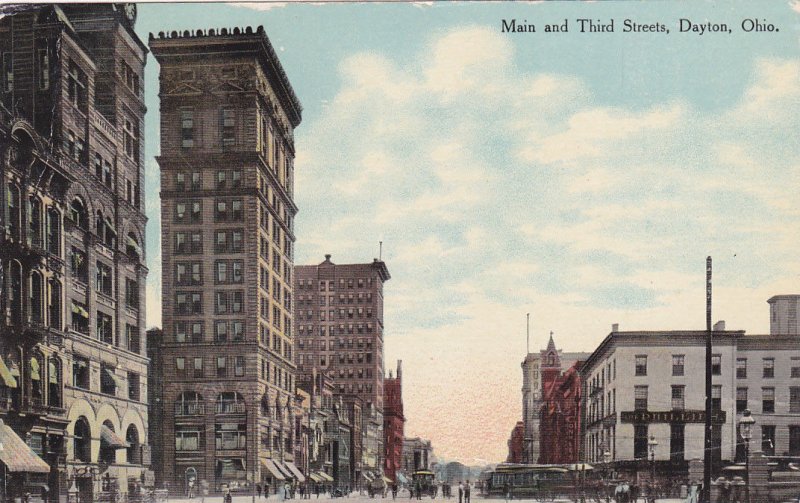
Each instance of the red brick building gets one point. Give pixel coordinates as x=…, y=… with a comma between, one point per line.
x=516, y=443
x=560, y=424
x=393, y=423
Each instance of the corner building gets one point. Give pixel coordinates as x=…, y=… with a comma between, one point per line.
x=228, y=113
x=339, y=314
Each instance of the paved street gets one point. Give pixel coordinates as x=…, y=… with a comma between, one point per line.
x=356, y=498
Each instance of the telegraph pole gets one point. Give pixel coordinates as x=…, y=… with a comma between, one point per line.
x=707, y=457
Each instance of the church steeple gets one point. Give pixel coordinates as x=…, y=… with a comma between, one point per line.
x=550, y=357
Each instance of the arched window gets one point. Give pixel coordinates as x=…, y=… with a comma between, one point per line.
x=108, y=447
x=132, y=248
x=105, y=230
x=15, y=295
x=189, y=403
x=265, y=405
x=35, y=371
x=35, y=297
x=35, y=222
x=54, y=304
x=230, y=402
x=82, y=441
x=134, y=450
x=54, y=231
x=54, y=382
x=77, y=213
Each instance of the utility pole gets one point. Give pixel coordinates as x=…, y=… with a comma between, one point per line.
x=528, y=334
x=707, y=457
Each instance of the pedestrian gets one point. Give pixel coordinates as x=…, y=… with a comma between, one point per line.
x=507, y=491
x=466, y=492
x=258, y=490
x=460, y=492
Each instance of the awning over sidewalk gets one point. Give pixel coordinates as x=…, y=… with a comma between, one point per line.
x=5, y=375
x=111, y=438
x=285, y=471
x=297, y=473
x=272, y=469
x=325, y=477
x=16, y=454
x=313, y=476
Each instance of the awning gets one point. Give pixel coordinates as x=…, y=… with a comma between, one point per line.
x=35, y=370
x=313, y=476
x=402, y=478
x=297, y=473
x=118, y=381
x=5, y=375
x=325, y=477
x=53, y=371
x=16, y=454
x=76, y=309
x=133, y=244
x=272, y=469
x=387, y=479
x=285, y=471
x=112, y=439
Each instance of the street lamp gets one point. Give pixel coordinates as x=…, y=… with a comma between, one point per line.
x=746, y=431
x=651, y=447
x=606, y=462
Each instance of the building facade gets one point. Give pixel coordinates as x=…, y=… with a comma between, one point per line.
x=532, y=395
x=516, y=443
x=393, y=423
x=417, y=455
x=339, y=329
x=783, y=314
x=560, y=424
x=639, y=385
x=74, y=368
x=228, y=114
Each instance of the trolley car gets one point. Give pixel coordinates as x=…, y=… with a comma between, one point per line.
x=424, y=480
x=530, y=481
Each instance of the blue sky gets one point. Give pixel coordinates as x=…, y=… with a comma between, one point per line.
x=580, y=177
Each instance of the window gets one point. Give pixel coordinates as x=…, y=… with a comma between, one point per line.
x=197, y=331
x=678, y=393
x=768, y=440
x=741, y=400
x=716, y=398
x=677, y=365
x=188, y=273
x=188, y=303
x=221, y=211
x=131, y=137
x=43, y=64
x=236, y=210
x=180, y=181
x=187, y=438
x=228, y=127
x=133, y=386
x=769, y=368
x=794, y=400
x=198, y=367
x=768, y=400
x=76, y=86
x=130, y=78
x=187, y=127
x=741, y=368
x=222, y=367
x=795, y=372
x=8, y=72
x=640, y=397
x=238, y=366
x=640, y=441
x=230, y=436
x=794, y=440
x=105, y=328
x=108, y=380
x=188, y=243
x=131, y=293
x=180, y=331
x=80, y=372
x=716, y=365
x=641, y=365
x=676, y=441
x=180, y=366
x=220, y=331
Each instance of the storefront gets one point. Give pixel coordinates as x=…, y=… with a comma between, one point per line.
x=22, y=469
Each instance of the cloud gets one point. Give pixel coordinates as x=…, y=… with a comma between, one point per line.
x=498, y=192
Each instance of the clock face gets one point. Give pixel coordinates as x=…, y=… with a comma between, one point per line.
x=130, y=11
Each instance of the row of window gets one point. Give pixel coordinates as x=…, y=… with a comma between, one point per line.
x=104, y=279
x=225, y=302
x=679, y=361
x=223, y=367
x=225, y=272
x=329, y=285
x=43, y=225
x=110, y=382
x=331, y=314
x=767, y=368
x=768, y=400
x=225, y=210
x=331, y=299
x=193, y=180
x=323, y=345
x=227, y=125
x=105, y=329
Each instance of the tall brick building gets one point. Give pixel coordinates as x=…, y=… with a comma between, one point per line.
x=339, y=328
x=393, y=423
x=73, y=372
x=560, y=425
x=228, y=113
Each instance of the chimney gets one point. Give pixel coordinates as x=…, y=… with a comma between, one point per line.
x=615, y=327
x=327, y=257
x=719, y=326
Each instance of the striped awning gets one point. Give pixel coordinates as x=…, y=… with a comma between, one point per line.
x=272, y=469
x=295, y=471
x=111, y=438
x=76, y=309
x=5, y=375
x=16, y=454
x=286, y=472
x=313, y=476
x=325, y=476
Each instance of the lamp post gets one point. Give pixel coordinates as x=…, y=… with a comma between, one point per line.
x=606, y=462
x=651, y=447
x=746, y=431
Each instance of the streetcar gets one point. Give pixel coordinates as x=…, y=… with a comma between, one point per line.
x=529, y=481
x=425, y=481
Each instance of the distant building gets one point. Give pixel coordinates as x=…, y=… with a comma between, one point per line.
x=560, y=427
x=515, y=443
x=783, y=315
x=393, y=423
x=417, y=455
x=455, y=472
x=532, y=397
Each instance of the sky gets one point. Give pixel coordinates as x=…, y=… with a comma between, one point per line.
x=579, y=177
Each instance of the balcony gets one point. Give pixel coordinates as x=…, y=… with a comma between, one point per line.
x=231, y=408
x=190, y=409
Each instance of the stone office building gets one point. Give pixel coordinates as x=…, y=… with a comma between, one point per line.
x=339, y=322
x=73, y=372
x=228, y=114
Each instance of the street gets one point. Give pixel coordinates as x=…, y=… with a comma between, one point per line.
x=357, y=498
